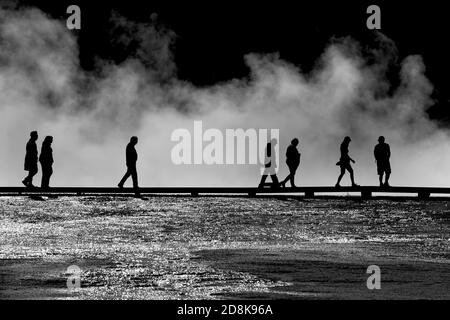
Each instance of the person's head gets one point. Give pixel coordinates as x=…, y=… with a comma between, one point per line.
x=295, y=142
x=381, y=139
x=134, y=140
x=48, y=140
x=347, y=140
x=34, y=135
x=273, y=142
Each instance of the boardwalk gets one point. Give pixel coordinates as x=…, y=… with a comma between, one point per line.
x=363, y=191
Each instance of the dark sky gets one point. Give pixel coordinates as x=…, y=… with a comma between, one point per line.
x=213, y=37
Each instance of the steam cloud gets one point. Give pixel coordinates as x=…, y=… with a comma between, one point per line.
x=92, y=114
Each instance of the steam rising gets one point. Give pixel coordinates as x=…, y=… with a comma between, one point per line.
x=92, y=115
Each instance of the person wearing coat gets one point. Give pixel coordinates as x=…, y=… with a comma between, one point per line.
x=292, y=161
x=46, y=160
x=31, y=160
x=131, y=159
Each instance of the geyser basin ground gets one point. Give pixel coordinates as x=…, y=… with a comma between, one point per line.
x=214, y=248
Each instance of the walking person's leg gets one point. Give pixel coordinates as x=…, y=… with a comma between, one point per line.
x=275, y=182
x=28, y=181
x=46, y=174
x=134, y=176
x=292, y=172
x=352, y=176
x=35, y=171
x=340, y=177
x=49, y=175
x=288, y=177
x=386, y=181
x=283, y=183
x=44, y=179
x=380, y=172
x=125, y=178
x=263, y=180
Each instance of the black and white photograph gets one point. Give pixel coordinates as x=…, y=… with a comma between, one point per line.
x=236, y=153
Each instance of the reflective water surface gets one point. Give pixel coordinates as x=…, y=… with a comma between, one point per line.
x=218, y=247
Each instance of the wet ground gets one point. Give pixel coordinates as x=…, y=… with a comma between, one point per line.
x=218, y=248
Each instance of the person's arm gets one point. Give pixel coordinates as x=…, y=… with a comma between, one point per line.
x=268, y=158
x=35, y=152
x=291, y=153
x=127, y=155
x=348, y=155
x=131, y=155
x=30, y=150
x=389, y=151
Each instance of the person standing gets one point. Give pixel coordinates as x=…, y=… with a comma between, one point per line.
x=382, y=153
x=131, y=159
x=46, y=160
x=31, y=160
x=344, y=162
x=270, y=165
x=292, y=161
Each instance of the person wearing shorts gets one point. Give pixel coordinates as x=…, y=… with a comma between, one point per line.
x=344, y=163
x=382, y=153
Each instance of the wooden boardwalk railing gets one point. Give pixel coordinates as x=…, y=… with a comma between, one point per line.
x=364, y=191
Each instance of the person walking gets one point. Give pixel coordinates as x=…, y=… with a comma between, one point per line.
x=131, y=159
x=31, y=160
x=270, y=165
x=46, y=160
x=382, y=153
x=292, y=161
x=344, y=162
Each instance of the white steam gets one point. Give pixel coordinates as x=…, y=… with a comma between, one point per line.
x=92, y=115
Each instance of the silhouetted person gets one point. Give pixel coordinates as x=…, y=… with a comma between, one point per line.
x=344, y=162
x=270, y=165
x=46, y=160
x=382, y=153
x=31, y=160
x=131, y=159
x=292, y=161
